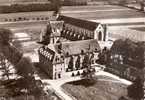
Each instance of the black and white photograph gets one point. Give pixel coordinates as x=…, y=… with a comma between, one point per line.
x=72, y=49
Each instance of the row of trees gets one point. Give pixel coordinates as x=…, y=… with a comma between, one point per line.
x=15, y=8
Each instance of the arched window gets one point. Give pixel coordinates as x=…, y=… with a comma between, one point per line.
x=100, y=36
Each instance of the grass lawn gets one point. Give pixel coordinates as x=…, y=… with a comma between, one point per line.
x=86, y=89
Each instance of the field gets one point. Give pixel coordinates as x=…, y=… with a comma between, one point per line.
x=99, y=90
x=101, y=12
x=138, y=28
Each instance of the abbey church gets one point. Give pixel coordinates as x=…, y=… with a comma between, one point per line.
x=67, y=43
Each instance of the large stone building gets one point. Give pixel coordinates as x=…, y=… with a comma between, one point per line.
x=71, y=42
x=56, y=59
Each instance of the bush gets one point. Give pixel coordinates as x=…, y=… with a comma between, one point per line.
x=73, y=75
x=78, y=73
x=84, y=73
x=67, y=70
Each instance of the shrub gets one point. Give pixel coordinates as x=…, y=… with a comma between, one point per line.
x=73, y=75
x=78, y=73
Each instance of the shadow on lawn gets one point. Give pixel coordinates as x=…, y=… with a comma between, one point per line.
x=84, y=82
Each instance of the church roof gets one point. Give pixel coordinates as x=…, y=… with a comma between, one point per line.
x=69, y=48
x=79, y=22
x=76, y=47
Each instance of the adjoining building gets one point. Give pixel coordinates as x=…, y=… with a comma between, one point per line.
x=51, y=62
x=73, y=29
x=77, y=29
x=56, y=59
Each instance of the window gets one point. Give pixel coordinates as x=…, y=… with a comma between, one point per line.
x=15, y=19
x=100, y=36
x=10, y=20
x=19, y=18
x=6, y=19
x=50, y=57
x=38, y=18
x=67, y=54
x=33, y=18
x=46, y=18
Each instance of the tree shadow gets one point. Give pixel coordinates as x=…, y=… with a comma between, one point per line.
x=84, y=82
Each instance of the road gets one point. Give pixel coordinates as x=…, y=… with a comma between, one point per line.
x=56, y=84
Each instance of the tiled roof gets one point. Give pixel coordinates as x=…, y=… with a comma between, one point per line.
x=71, y=48
x=47, y=52
x=75, y=47
x=50, y=49
x=79, y=22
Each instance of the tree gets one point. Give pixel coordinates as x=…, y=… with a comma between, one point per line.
x=5, y=36
x=77, y=64
x=57, y=6
x=135, y=90
x=25, y=67
x=104, y=56
x=47, y=35
x=71, y=64
x=140, y=52
x=86, y=61
x=118, y=47
x=88, y=71
x=5, y=67
x=130, y=48
x=22, y=65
